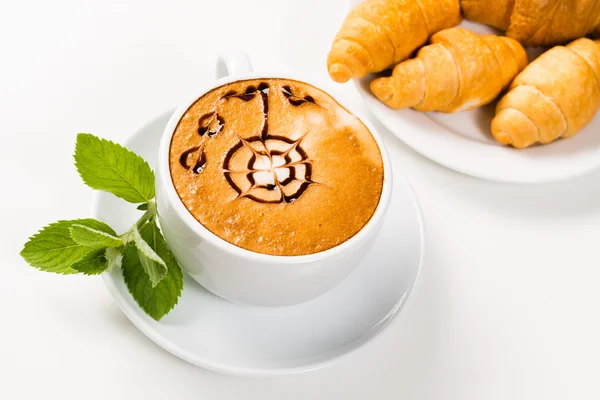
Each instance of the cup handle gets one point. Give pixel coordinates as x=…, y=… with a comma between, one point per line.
x=233, y=63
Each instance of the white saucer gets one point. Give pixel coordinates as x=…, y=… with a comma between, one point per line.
x=463, y=141
x=210, y=332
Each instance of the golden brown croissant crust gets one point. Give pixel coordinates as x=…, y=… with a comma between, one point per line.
x=458, y=71
x=537, y=22
x=380, y=33
x=555, y=96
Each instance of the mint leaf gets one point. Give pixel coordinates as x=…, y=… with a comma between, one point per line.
x=94, y=238
x=157, y=300
x=93, y=263
x=154, y=266
x=113, y=256
x=53, y=250
x=107, y=166
x=143, y=206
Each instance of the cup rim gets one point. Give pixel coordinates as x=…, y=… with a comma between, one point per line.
x=163, y=169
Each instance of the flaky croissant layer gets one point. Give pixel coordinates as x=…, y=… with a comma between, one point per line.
x=380, y=33
x=458, y=71
x=555, y=96
x=537, y=22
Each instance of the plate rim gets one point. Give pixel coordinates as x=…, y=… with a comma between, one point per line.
x=374, y=107
x=133, y=312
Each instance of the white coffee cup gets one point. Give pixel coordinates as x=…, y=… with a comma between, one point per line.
x=241, y=275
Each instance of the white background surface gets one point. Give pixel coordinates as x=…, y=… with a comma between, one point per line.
x=508, y=303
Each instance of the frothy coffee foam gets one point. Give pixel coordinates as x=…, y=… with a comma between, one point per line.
x=276, y=166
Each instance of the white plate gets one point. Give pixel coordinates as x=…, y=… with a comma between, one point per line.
x=463, y=141
x=215, y=334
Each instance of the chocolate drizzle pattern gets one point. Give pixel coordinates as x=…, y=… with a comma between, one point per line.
x=271, y=175
x=277, y=169
x=211, y=124
x=294, y=99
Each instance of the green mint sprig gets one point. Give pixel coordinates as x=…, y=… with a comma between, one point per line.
x=90, y=247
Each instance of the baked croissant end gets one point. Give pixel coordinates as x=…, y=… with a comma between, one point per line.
x=458, y=71
x=537, y=22
x=495, y=13
x=555, y=96
x=379, y=33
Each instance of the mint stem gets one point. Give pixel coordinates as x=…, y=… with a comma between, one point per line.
x=150, y=214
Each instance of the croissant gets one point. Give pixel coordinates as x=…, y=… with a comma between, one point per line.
x=555, y=96
x=458, y=71
x=495, y=13
x=536, y=22
x=380, y=33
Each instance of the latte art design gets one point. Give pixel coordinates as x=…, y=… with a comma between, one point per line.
x=276, y=166
x=277, y=169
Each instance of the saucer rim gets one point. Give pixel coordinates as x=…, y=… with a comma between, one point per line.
x=134, y=312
